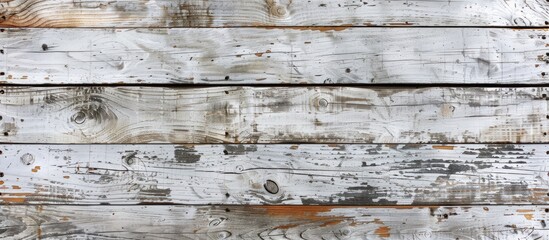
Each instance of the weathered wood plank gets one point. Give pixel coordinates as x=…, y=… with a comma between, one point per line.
x=273, y=115
x=260, y=56
x=273, y=222
x=223, y=13
x=275, y=174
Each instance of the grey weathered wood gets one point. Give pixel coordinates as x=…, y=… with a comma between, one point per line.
x=274, y=174
x=273, y=115
x=260, y=56
x=273, y=222
x=223, y=13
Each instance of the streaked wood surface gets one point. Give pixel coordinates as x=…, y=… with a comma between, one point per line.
x=273, y=115
x=273, y=222
x=273, y=56
x=224, y=13
x=274, y=174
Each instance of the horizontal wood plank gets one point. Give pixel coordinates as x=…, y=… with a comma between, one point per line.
x=273, y=222
x=273, y=115
x=274, y=56
x=223, y=13
x=274, y=174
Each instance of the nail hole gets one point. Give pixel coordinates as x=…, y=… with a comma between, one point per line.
x=226, y=77
x=226, y=92
x=2, y=73
x=544, y=95
x=542, y=73
x=1, y=91
x=2, y=51
x=547, y=210
x=227, y=195
x=445, y=215
x=1, y=152
x=348, y=70
x=44, y=47
x=226, y=152
x=1, y=174
x=6, y=134
x=271, y=187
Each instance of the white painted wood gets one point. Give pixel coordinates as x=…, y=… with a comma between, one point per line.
x=274, y=56
x=224, y=13
x=272, y=222
x=274, y=174
x=272, y=115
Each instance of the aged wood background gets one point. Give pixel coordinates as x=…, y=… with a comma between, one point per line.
x=274, y=119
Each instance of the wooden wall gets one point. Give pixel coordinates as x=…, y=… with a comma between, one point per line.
x=274, y=119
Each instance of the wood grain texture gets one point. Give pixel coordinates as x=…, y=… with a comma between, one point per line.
x=273, y=115
x=273, y=56
x=272, y=222
x=274, y=174
x=223, y=13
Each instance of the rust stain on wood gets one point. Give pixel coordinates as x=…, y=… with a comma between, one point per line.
x=309, y=213
x=383, y=231
x=443, y=147
x=15, y=197
x=287, y=226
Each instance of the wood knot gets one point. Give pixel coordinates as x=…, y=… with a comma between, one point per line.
x=277, y=9
x=224, y=235
x=93, y=117
x=79, y=118
x=323, y=103
x=216, y=222
x=27, y=159
x=130, y=158
x=271, y=187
